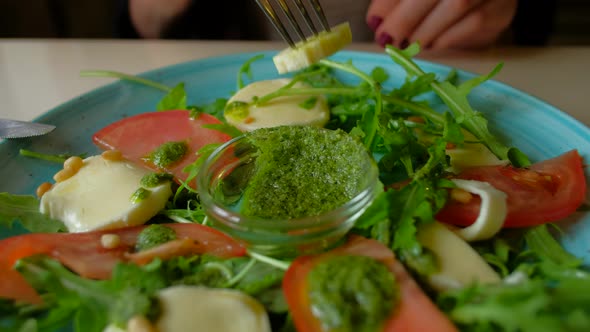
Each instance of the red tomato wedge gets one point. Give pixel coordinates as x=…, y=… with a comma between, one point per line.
x=414, y=312
x=137, y=136
x=544, y=192
x=84, y=254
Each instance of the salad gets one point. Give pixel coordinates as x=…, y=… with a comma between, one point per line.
x=461, y=232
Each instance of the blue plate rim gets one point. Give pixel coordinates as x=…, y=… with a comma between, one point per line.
x=546, y=107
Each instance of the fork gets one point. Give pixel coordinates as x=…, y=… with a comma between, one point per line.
x=287, y=12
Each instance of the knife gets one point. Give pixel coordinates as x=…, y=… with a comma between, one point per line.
x=19, y=129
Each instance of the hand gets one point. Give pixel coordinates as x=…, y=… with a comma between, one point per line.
x=151, y=17
x=440, y=24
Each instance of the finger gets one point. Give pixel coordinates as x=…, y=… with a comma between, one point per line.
x=443, y=16
x=481, y=27
x=378, y=10
x=401, y=22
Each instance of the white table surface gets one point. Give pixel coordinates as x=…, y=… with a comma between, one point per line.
x=37, y=75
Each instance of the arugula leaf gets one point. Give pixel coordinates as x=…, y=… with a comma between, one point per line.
x=56, y=158
x=194, y=168
x=25, y=208
x=549, y=289
x=456, y=99
x=452, y=131
x=215, y=108
x=540, y=240
x=174, y=100
x=225, y=128
x=412, y=88
x=379, y=74
x=246, y=70
x=124, y=77
x=309, y=103
x=93, y=304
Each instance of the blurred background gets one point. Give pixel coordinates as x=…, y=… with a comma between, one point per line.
x=109, y=19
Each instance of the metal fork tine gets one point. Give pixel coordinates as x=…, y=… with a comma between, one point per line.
x=274, y=19
x=320, y=13
x=291, y=18
x=306, y=17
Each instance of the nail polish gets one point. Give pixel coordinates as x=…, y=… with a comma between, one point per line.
x=374, y=23
x=384, y=39
x=405, y=43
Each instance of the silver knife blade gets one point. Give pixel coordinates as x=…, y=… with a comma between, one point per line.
x=20, y=129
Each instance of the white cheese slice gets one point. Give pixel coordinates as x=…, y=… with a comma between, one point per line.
x=459, y=264
x=492, y=212
x=285, y=110
x=313, y=49
x=191, y=308
x=99, y=195
x=472, y=155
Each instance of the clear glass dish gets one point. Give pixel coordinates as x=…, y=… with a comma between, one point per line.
x=220, y=183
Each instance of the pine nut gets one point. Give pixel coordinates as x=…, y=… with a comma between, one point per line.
x=75, y=163
x=112, y=155
x=140, y=324
x=461, y=195
x=43, y=188
x=64, y=174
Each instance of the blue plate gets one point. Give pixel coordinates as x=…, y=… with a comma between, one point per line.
x=538, y=129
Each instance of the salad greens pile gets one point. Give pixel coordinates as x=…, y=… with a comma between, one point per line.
x=544, y=288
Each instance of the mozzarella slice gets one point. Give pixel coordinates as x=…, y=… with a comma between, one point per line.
x=313, y=49
x=492, y=211
x=191, y=308
x=99, y=195
x=472, y=155
x=280, y=111
x=459, y=264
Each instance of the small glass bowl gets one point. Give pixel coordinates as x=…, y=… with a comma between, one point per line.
x=233, y=163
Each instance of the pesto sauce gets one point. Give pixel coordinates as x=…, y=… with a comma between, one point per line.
x=153, y=236
x=139, y=195
x=237, y=110
x=168, y=153
x=155, y=179
x=352, y=293
x=303, y=171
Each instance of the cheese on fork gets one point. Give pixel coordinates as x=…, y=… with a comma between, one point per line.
x=314, y=49
x=99, y=196
x=192, y=308
x=286, y=110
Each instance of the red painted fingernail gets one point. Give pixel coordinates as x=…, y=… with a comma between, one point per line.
x=384, y=39
x=405, y=43
x=374, y=22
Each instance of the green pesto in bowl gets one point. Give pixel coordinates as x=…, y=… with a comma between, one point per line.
x=289, y=190
x=302, y=171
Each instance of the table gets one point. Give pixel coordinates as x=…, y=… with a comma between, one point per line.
x=37, y=75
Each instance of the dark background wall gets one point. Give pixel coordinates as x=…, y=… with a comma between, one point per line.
x=96, y=19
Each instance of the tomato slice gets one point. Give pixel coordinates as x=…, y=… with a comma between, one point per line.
x=545, y=192
x=414, y=312
x=137, y=136
x=84, y=254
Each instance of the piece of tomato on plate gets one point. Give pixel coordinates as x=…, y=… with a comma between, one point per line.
x=137, y=136
x=414, y=311
x=84, y=253
x=544, y=192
